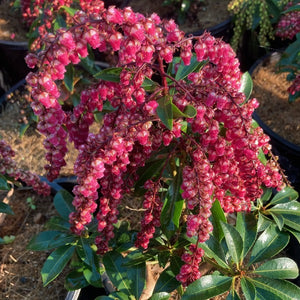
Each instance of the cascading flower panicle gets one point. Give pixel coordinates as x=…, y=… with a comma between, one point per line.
x=216, y=147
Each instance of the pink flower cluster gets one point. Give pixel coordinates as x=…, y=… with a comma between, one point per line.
x=9, y=167
x=289, y=24
x=218, y=149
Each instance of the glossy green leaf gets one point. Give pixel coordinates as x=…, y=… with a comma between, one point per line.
x=172, y=208
x=165, y=112
x=233, y=296
x=47, y=240
x=69, y=78
x=23, y=129
x=129, y=280
x=75, y=280
x=160, y=296
x=217, y=215
x=213, y=249
x=4, y=186
x=194, y=66
x=175, y=264
x=248, y=289
x=234, y=242
x=189, y=112
x=246, y=85
x=6, y=209
x=289, y=208
x=71, y=11
x=278, y=220
x=55, y=263
x=295, y=233
x=265, y=295
x=63, y=203
x=110, y=74
x=246, y=225
x=266, y=195
x=292, y=8
x=207, y=287
x=262, y=158
x=166, y=282
x=269, y=243
x=285, y=195
x=149, y=85
x=92, y=276
x=278, y=268
x=281, y=289
x=86, y=252
x=58, y=223
x=263, y=222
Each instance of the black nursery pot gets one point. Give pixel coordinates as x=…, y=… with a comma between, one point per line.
x=287, y=152
x=12, y=61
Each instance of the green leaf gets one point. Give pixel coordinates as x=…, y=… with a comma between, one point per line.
x=55, y=263
x=269, y=243
x=86, y=252
x=71, y=11
x=129, y=280
x=149, y=85
x=189, y=112
x=59, y=22
x=92, y=276
x=213, y=249
x=217, y=216
x=7, y=239
x=263, y=222
x=4, y=208
x=165, y=112
x=234, y=242
x=183, y=71
x=296, y=234
x=248, y=289
x=278, y=289
x=47, y=240
x=172, y=208
x=63, y=203
x=266, y=195
x=261, y=156
x=160, y=296
x=207, y=287
x=3, y=184
x=75, y=280
x=278, y=268
x=285, y=195
x=293, y=8
x=23, y=129
x=246, y=225
x=69, y=78
x=246, y=85
x=278, y=220
x=58, y=223
x=110, y=74
x=166, y=282
x=233, y=296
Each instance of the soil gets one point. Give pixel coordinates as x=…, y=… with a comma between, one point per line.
x=20, y=276
x=270, y=89
x=202, y=14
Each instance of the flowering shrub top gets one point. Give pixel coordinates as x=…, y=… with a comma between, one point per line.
x=184, y=114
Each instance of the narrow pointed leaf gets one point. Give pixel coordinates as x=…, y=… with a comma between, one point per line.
x=160, y=296
x=285, y=195
x=75, y=280
x=189, y=111
x=207, y=287
x=149, y=85
x=266, y=195
x=63, y=203
x=92, y=276
x=23, y=129
x=278, y=268
x=281, y=289
x=246, y=85
x=6, y=209
x=248, y=289
x=269, y=243
x=111, y=74
x=279, y=220
x=85, y=252
x=58, y=223
x=47, y=240
x=233, y=296
x=217, y=216
x=246, y=225
x=69, y=78
x=166, y=282
x=289, y=208
x=183, y=71
x=234, y=242
x=263, y=222
x=165, y=112
x=55, y=263
x=295, y=233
